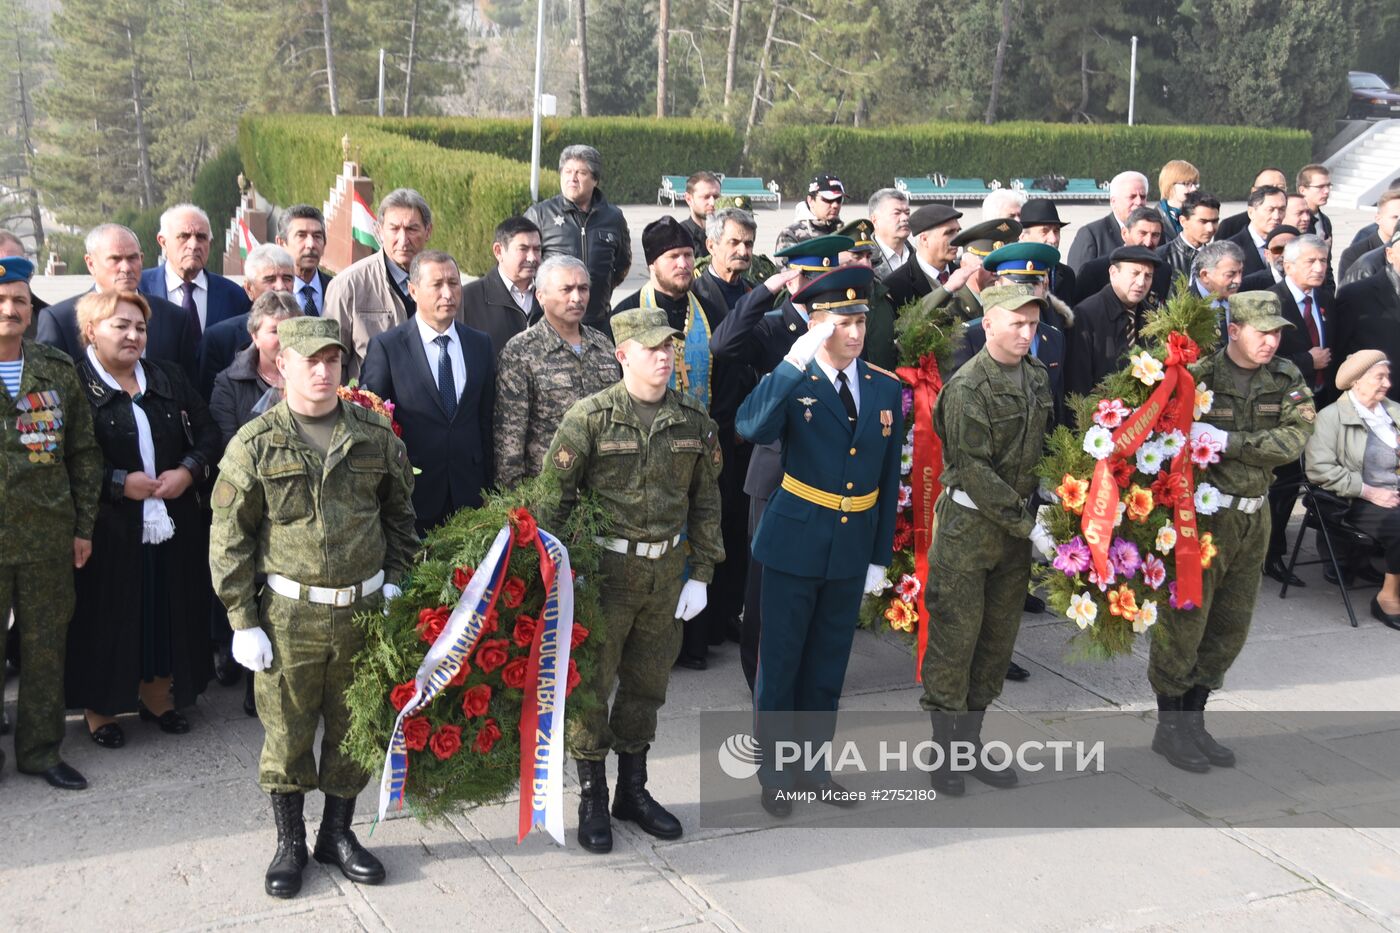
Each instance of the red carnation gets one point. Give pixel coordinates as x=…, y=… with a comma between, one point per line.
x=461, y=576
x=461, y=676
x=431, y=622
x=445, y=742
x=513, y=674
x=525, y=528
x=525, y=627
x=415, y=733
x=401, y=694
x=475, y=700
x=579, y=636
x=573, y=679
x=1168, y=489
x=486, y=737
x=491, y=655
x=1166, y=421
x=513, y=592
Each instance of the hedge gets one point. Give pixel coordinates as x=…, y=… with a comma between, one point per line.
x=865, y=160
x=293, y=159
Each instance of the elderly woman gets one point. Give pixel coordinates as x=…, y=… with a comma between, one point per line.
x=1353, y=453
x=139, y=639
x=239, y=390
x=1177, y=179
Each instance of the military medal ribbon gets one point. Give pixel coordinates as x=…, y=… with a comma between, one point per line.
x=928, y=466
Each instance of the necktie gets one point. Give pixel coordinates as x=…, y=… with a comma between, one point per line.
x=1314, y=335
x=844, y=390
x=191, y=312
x=942, y=276
x=447, y=386
x=308, y=301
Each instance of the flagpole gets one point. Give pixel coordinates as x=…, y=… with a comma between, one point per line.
x=539, y=87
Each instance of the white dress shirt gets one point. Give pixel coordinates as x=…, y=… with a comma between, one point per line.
x=852, y=379
x=523, y=300
x=175, y=291
x=454, y=353
x=894, y=260
x=314, y=286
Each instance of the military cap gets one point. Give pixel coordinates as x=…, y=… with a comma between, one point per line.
x=309, y=335
x=1260, y=310
x=15, y=269
x=1011, y=297
x=824, y=185
x=1281, y=230
x=981, y=239
x=663, y=235
x=862, y=232
x=1132, y=254
x=930, y=216
x=841, y=291
x=647, y=326
x=1021, y=259
x=818, y=254
x=1041, y=212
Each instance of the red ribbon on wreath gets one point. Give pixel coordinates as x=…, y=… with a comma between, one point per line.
x=1168, y=408
x=924, y=477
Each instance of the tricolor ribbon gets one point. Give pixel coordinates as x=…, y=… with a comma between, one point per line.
x=924, y=476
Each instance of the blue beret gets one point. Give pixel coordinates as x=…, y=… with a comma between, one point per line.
x=15, y=269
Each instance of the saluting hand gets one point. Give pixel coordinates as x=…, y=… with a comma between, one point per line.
x=804, y=349
x=780, y=280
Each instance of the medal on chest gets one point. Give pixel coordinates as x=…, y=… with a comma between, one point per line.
x=39, y=421
x=807, y=402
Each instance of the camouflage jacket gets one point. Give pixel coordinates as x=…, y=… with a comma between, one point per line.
x=1268, y=425
x=279, y=508
x=50, y=464
x=655, y=485
x=804, y=229
x=993, y=434
x=538, y=376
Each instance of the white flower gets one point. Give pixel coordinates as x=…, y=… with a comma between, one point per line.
x=1166, y=539
x=1122, y=510
x=1205, y=398
x=1172, y=443
x=1146, y=617
x=906, y=460
x=1082, y=609
x=1207, y=499
x=1151, y=457
x=1147, y=369
x=1098, y=442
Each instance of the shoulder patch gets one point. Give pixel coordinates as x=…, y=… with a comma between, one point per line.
x=223, y=495
x=564, y=458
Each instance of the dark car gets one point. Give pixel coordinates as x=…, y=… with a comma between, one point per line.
x=1371, y=97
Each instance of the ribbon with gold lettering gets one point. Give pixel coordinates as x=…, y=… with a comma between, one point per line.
x=924, y=477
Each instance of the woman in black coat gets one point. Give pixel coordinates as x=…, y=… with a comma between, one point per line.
x=253, y=372
x=139, y=639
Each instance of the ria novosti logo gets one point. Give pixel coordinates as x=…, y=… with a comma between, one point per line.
x=739, y=756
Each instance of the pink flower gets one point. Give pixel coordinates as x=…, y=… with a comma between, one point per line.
x=1154, y=572
x=1184, y=605
x=1072, y=557
x=1103, y=583
x=1205, y=450
x=908, y=587
x=1124, y=558
x=1110, y=413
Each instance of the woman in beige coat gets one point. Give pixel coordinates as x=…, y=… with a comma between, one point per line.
x=1353, y=453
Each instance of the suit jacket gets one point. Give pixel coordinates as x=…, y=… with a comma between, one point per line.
x=1294, y=344
x=226, y=299
x=220, y=345
x=455, y=454
x=1062, y=283
x=488, y=307
x=325, y=278
x=1095, y=239
x=1260, y=281
x=1098, y=342
x=364, y=301
x=1229, y=226
x=1093, y=276
x=1367, y=317
x=799, y=537
x=168, y=334
x=1049, y=348
x=36, y=304
x=908, y=283
x=1253, y=262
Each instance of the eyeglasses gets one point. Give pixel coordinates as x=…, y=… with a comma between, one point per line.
x=1324, y=185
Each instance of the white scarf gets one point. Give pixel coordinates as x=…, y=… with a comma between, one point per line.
x=156, y=524
x=1376, y=420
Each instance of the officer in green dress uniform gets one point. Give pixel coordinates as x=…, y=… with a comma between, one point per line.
x=51, y=472
x=960, y=295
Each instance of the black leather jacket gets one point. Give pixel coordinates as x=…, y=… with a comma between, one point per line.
x=597, y=236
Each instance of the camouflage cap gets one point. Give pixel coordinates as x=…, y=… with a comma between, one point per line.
x=309, y=335
x=647, y=326
x=1260, y=310
x=1011, y=297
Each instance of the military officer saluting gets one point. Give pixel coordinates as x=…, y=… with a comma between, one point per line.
x=1261, y=416
x=827, y=534
x=992, y=416
x=960, y=295
x=315, y=496
x=51, y=471
x=651, y=455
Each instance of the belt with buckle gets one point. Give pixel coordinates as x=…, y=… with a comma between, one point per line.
x=829, y=500
x=651, y=550
x=1245, y=504
x=340, y=596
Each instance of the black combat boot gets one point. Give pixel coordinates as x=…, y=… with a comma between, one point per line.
x=632, y=801
x=594, y=827
x=284, y=874
x=1173, y=741
x=970, y=730
x=336, y=844
x=1193, y=702
x=944, y=779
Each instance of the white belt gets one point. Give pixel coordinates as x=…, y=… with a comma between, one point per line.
x=1247, y=506
x=325, y=595
x=962, y=498
x=651, y=550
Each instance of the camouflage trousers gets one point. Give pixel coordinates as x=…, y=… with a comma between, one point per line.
x=1197, y=648
x=42, y=597
x=975, y=592
x=639, y=641
x=313, y=652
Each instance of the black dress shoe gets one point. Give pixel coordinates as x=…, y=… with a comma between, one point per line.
x=63, y=776
x=692, y=663
x=170, y=722
x=1275, y=567
x=1382, y=616
x=1016, y=672
x=1034, y=604
x=108, y=735
x=226, y=669
x=776, y=803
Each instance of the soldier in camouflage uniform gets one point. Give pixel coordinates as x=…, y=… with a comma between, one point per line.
x=546, y=368
x=652, y=456
x=317, y=496
x=824, y=197
x=51, y=471
x=992, y=416
x=1262, y=416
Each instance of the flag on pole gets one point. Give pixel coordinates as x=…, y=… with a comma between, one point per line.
x=363, y=223
x=246, y=241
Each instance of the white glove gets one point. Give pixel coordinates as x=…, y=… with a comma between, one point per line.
x=1042, y=541
x=875, y=582
x=694, y=597
x=391, y=593
x=1200, y=427
x=804, y=350
x=252, y=649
